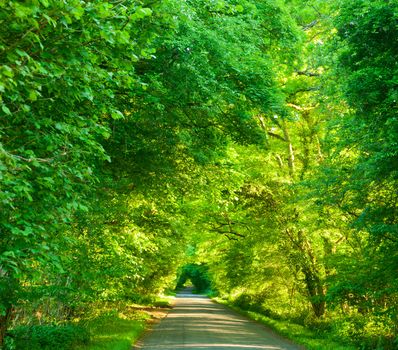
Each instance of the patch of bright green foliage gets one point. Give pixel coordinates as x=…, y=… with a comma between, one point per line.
x=47, y=337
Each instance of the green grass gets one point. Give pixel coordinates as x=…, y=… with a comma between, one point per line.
x=118, y=326
x=311, y=339
x=114, y=333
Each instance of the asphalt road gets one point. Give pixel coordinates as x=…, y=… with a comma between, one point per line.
x=197, y=323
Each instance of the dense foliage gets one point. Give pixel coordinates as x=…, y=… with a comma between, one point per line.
x=194, y=275
x=254, y=141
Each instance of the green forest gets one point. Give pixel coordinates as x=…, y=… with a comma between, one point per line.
x=250, y=146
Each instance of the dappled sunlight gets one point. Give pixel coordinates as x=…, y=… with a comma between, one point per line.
x=198, y=323
x=191, y=296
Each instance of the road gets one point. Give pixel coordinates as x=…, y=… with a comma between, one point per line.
x=197, y=323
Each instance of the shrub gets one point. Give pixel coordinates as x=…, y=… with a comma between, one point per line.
x=47, y=337
x=367, y=332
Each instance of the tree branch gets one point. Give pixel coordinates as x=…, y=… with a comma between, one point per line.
x=299, y=108
x=270, y=133
x=307, y=73
x=310, y=25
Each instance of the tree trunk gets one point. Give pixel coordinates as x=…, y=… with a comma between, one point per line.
x=316, y=292
x=289, y=149
x=305, y=259
x=4, y=323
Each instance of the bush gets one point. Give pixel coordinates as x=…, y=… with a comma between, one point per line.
x=47, y=337
x=253, y=303
x=367, y=332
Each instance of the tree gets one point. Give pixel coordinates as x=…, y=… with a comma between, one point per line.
x=62, y=65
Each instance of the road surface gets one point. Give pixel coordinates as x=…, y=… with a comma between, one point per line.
x=197, y=323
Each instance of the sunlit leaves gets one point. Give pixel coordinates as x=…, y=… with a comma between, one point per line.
x=61, y=64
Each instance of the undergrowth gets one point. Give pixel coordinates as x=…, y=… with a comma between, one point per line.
x=100, y=326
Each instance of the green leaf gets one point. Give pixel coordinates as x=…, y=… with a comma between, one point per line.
x=7, y=71
x=32, y=95
x=21, y=53
x=45, y=3
x=145, y=11
x=9, y=254
x=77, y=12
x=117, y=115
x=6, y=110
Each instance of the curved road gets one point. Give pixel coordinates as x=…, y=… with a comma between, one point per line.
x=197, y=323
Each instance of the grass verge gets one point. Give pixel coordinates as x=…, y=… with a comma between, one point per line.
x=121, y=328
x=113, y=333
x=310, y=339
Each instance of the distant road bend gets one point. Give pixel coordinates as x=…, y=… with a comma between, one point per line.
x=196, y=323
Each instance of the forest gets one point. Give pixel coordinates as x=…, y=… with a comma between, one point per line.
x=254, y=142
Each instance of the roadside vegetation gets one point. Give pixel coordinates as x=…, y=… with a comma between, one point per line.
x=112, y=325
x=317, y=336
x=116, y=331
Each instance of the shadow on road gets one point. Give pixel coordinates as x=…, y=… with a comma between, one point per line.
x=198, y=323
x=188, y=292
